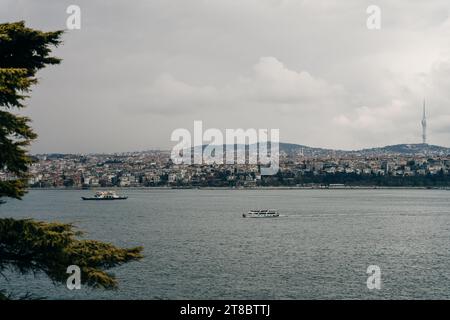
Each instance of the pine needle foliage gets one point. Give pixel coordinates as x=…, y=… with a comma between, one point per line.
x=30, y=246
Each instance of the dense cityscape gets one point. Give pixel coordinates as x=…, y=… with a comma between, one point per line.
x=297, y=169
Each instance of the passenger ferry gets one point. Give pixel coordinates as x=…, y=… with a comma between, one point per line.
x=105, y=195
x=267, y=213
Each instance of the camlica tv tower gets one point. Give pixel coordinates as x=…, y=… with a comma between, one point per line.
x=424, y=125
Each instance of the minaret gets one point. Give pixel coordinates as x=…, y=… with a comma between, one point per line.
x=424, y=125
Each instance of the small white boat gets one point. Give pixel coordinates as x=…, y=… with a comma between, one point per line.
x=267, y=213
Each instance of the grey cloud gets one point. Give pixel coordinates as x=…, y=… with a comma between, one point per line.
x=137, y=70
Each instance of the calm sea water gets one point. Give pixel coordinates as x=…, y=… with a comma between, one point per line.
x=197, y=245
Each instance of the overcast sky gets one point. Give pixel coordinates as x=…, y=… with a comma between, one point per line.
x=137, y=70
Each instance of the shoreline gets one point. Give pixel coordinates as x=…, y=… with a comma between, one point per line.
x=244, y=188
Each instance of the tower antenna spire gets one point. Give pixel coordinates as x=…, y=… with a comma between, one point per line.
x=424, y=124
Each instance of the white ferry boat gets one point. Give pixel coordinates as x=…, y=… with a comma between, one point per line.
x=267, y=213
x=105, y=195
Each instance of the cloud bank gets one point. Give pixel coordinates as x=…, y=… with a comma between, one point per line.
x=137, y=71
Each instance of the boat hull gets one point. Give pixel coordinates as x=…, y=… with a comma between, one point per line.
x=247, y=215
x=104, y=199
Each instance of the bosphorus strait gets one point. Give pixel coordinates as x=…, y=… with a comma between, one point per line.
x=198, y=246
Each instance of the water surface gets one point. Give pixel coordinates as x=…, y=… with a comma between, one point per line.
x=198, y=246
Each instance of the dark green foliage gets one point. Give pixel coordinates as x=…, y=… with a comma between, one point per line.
x=23, y=51
x=370, y=180
x=34, y=246
x=25, y=48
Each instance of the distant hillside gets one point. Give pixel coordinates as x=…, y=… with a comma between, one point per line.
x=401, y=149
x=288, y=148
x=291, y=148
x=409, y=149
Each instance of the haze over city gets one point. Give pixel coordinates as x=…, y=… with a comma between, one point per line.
x=310, y=68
